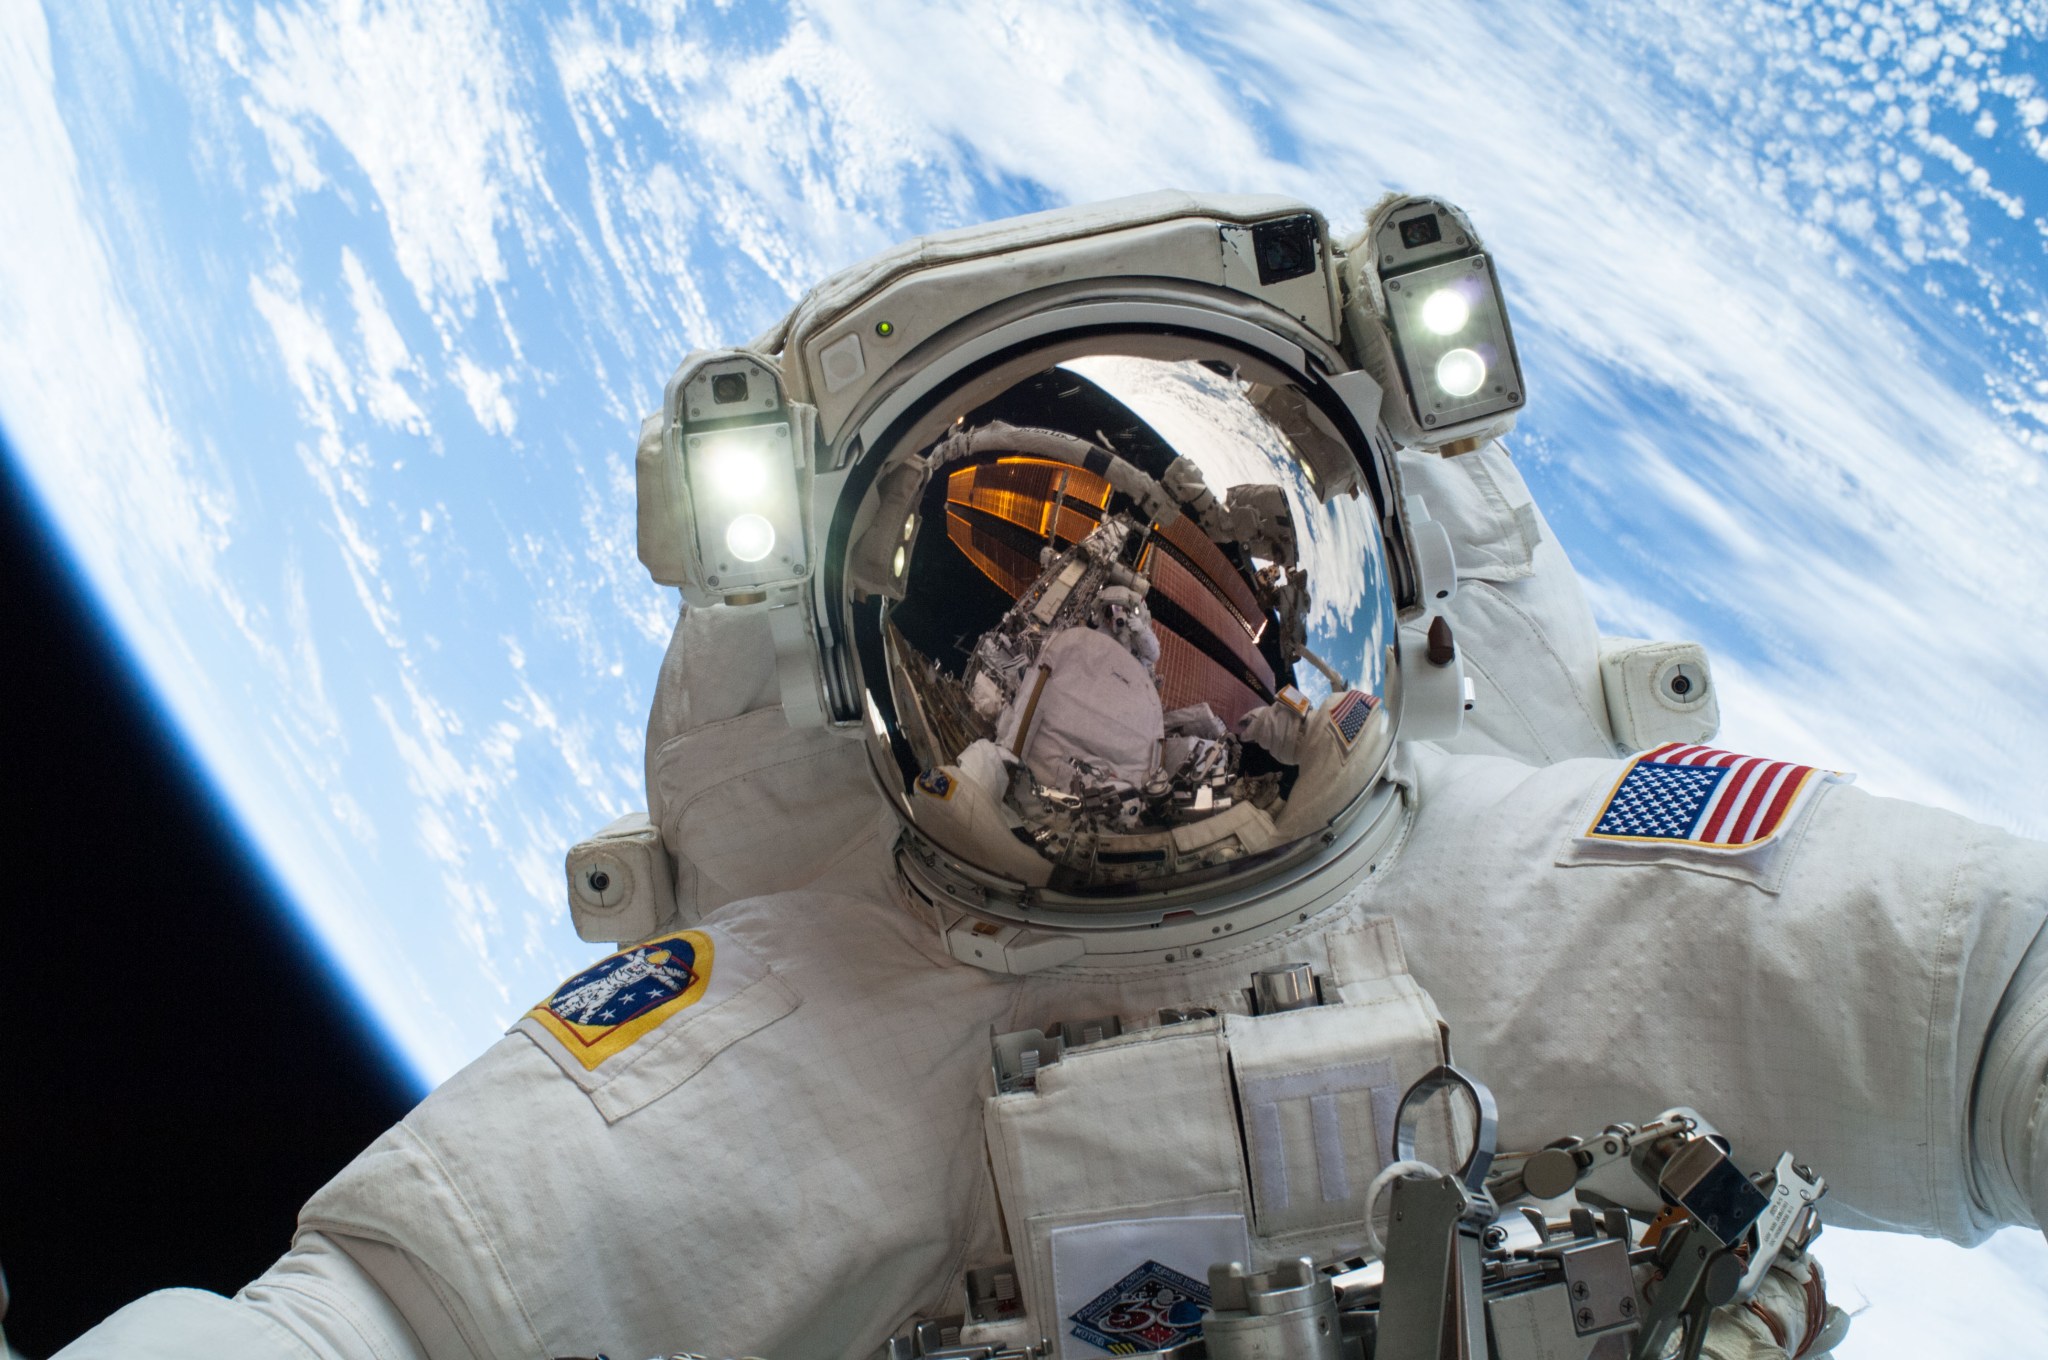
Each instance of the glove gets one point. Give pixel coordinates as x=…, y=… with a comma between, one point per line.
x=1789, y=1317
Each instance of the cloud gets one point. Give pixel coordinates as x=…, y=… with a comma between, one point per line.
x=484, y=390
x=423, y=102
x=386, y=358
x=312, y=360
x=155, y=518
x=1786, y=360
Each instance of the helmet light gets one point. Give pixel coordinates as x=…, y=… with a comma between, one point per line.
x=1445, y=312
x=722, y=509
x=1447, y=322
x=749, y=538
x=1460, y=373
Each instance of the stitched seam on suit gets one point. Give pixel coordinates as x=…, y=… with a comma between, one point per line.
x=276, y=1328
x=984, y=1187
x=742, y=773
x=476, y=1221
x=2015, y=1041
x=1950, y=948
x=713, y=727
x=2023, y=1024
x=717, y=723
x=851, y=848
x=339, y=1306
x=1556, y=657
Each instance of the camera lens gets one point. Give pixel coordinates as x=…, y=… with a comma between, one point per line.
x=1285, y=248
x=1421, y=231
x=727, y=388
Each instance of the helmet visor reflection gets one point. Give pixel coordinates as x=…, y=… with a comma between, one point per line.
x=1125, y=606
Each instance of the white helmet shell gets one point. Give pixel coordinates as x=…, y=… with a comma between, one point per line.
x=1104, y=560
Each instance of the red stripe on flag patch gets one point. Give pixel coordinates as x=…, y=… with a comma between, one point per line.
x=1701, y=795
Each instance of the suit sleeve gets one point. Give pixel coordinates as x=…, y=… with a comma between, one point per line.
x=316, y=1303
x=2009, y=1125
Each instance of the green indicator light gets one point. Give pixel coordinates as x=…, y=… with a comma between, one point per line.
x=885, y=329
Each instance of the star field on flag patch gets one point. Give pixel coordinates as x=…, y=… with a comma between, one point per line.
x=1348, y=715
x=1698, y=795
x=608, y=1005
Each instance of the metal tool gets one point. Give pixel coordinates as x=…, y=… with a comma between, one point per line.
x=1457, y=1279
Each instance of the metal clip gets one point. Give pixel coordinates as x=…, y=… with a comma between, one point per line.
x=1076, y=1033
x=1290, y=1311
x=939, y=1339
x=1431, y=1304
x=1785, y=1221
x=1018, y=1056
x=1289, y=987
x=993, y=1294
x=1702, y=1179
x=1699, y=1276
x=1472, y=1172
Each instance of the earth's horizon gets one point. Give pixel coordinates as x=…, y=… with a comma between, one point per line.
x=326, y=327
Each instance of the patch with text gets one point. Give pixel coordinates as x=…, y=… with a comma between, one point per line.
x=1149, y=1309
x=608, y=1005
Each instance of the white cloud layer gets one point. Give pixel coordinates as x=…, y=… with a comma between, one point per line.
x=345, y=446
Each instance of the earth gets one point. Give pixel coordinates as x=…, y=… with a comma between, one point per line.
x=325, y=329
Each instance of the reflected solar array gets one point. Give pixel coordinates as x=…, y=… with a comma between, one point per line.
x=1000, y=514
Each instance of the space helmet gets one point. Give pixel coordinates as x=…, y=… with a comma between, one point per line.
x=1088, y=525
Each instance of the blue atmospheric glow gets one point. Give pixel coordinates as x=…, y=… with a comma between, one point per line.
x=345, y=990
x=325, y=331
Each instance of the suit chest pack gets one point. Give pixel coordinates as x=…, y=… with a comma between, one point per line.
x=1127, y=1162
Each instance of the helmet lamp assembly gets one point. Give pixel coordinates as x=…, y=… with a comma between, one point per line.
x=1090, y=526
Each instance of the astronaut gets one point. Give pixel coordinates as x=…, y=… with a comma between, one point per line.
x=1129, y=730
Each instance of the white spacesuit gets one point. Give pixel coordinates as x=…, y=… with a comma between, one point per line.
x=1244, y=748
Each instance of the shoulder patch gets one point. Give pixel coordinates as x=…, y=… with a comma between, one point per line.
x=1349, y=713
x=1700, y=806
x=607, y=1006
x=1699, y=796
x=633, y=1027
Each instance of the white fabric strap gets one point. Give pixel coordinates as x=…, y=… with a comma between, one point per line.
x=1318, y=1088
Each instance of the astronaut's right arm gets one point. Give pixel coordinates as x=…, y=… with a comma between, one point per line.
x=318, y=1302
x=2009, y=1122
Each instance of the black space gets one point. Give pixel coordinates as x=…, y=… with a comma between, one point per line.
x=179, y=1070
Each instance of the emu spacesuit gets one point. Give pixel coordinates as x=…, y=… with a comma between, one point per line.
x=1121, y=550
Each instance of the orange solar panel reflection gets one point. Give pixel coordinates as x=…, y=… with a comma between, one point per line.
x=1023, y=490
x=1185, y=568
x=1009, y=569
x=1188, y=675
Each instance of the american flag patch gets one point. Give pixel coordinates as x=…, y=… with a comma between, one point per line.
x=1697, y=795
x=1348, y=715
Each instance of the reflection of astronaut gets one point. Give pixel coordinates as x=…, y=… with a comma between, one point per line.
x=1224, y=693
